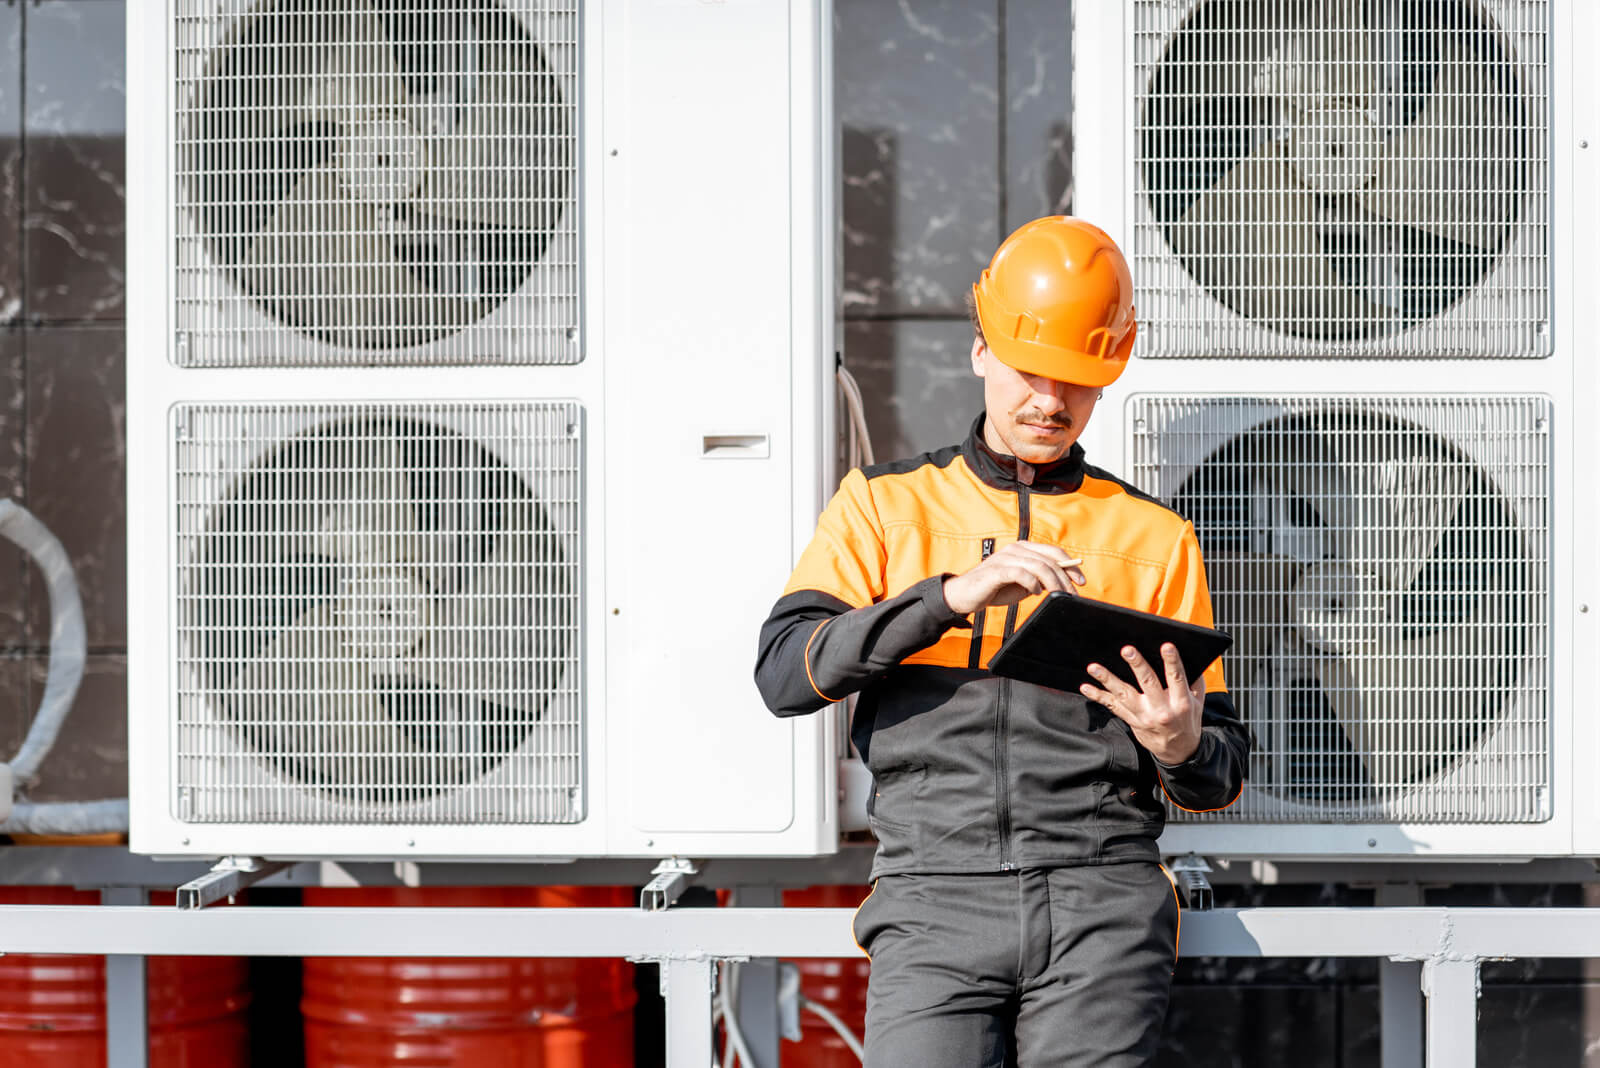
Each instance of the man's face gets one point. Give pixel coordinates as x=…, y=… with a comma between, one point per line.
x=1029, y=416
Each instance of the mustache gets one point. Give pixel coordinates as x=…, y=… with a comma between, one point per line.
x=1061, y=419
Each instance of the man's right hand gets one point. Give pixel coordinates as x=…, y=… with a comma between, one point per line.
x=1018, y=570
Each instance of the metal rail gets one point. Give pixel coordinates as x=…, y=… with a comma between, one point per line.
x=1449, y=943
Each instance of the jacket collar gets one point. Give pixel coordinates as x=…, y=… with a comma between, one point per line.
x=1008, y=473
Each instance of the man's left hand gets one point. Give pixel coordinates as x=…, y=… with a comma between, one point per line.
x=1164, y=719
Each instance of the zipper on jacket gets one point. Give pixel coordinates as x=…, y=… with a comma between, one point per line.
x=1002, y=746
x=975, y=658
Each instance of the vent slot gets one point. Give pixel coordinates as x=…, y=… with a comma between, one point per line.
x=1342, y=178
x=378, y=613
x=1383, y=566
x=384, y=184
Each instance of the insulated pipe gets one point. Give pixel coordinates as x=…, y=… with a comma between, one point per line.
x=68, y=653
x=67, y=817
x=68, y=644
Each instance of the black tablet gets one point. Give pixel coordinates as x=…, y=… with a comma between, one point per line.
x=1067, y=633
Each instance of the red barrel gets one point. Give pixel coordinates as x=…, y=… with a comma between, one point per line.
x=459, y=1012
x=53, y=1006
x=837, y=984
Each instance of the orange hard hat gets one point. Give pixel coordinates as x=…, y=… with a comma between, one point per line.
x=1057, y=301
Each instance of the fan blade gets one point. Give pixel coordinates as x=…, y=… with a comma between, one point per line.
x=1266, y=247
x=507, y=634
x=1458, y=170
x=463, y=735
x=308, y=707
x=326, y=263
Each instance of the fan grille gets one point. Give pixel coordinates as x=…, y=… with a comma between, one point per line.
x=1341, y=178
x=378, y=613
x=381, y=184
x=1383, y=567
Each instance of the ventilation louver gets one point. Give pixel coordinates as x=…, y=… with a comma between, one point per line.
x=378, y=613
x=1341, y=177
x=395, y=182
x=1383, y=567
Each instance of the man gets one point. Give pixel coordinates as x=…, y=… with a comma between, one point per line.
x=1019, y=913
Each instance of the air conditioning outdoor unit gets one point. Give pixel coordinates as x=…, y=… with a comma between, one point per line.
x=1362, y=257
x=479, y=400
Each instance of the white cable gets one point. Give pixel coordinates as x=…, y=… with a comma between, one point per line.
x=859, y=439
x=727, y=1003
x=838, y=1025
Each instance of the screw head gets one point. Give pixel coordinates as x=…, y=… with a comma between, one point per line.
x=1372, y=843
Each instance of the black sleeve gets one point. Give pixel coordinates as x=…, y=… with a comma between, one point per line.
x=816, y=649
x=1213, y=777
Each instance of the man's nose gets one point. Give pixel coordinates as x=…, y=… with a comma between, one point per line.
x=1049, y=395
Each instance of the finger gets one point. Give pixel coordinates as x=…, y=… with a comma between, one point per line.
x=1143, y=672
x=1076, y=574
x=1197, y=689
x=1177, y=678
x=1119, y=688
x=1100, y=697
x=1049, y=576
x=1054, y=553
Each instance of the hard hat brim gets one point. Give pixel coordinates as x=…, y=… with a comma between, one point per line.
x=1060, y=365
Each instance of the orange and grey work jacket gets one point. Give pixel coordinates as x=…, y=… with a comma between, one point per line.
x=973, y=772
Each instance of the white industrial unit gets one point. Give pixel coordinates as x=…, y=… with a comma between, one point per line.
x=1366, y=372
x=479, y=400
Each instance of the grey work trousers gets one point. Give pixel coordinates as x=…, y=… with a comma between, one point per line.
x=1066, y=967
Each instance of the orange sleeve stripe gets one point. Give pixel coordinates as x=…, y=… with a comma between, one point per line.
x=1177, y=937
x=1198, y=811
x=859, y=907
x=809, y=677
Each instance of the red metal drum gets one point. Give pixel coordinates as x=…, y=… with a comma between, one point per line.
x=839, y=984
x=53, y=1006
x=477, y=1012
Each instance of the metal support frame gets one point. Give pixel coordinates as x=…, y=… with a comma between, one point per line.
x=127, y=995
x=1400, y=990
x=1190, y=870
x=687, y=943
x=226, y=878
x=757, y=1006
x=669, y=880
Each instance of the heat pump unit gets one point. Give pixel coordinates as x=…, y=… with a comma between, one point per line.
x=1364, y=374
x=479, y=400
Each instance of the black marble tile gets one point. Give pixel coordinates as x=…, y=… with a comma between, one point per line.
x=73, y=214
x=75, y=481
x=1532, y=1026
x=1361, y=1027
x=14, y=565
x=16, y=709
x=10, y=162
x=916, y=380
x=89, y=760
x=918, y=97
x=1251, y=1027
x=1038, y=135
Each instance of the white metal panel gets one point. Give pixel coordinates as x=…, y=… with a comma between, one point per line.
x=780, y=801
x=700, y=447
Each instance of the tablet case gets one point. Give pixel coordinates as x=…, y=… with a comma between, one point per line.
x=1055, y=646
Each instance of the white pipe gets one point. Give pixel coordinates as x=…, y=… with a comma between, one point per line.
x=67, y=817
x=68, y=645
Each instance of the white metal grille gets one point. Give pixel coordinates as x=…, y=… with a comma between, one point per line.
x=378, y=184
x=1341, y=178
x=1383, y=567
x=378, y=613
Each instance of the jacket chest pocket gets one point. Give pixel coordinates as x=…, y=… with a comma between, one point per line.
x=1123, y=751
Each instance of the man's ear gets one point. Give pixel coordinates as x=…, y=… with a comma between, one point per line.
x=978, y=350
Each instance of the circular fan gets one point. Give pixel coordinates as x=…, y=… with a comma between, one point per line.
x=1376, y=587
x=378, y=176
x=380, y=608
x=1336, y=170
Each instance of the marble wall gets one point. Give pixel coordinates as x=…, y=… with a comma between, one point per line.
x=61, y=369
x=956, y=120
